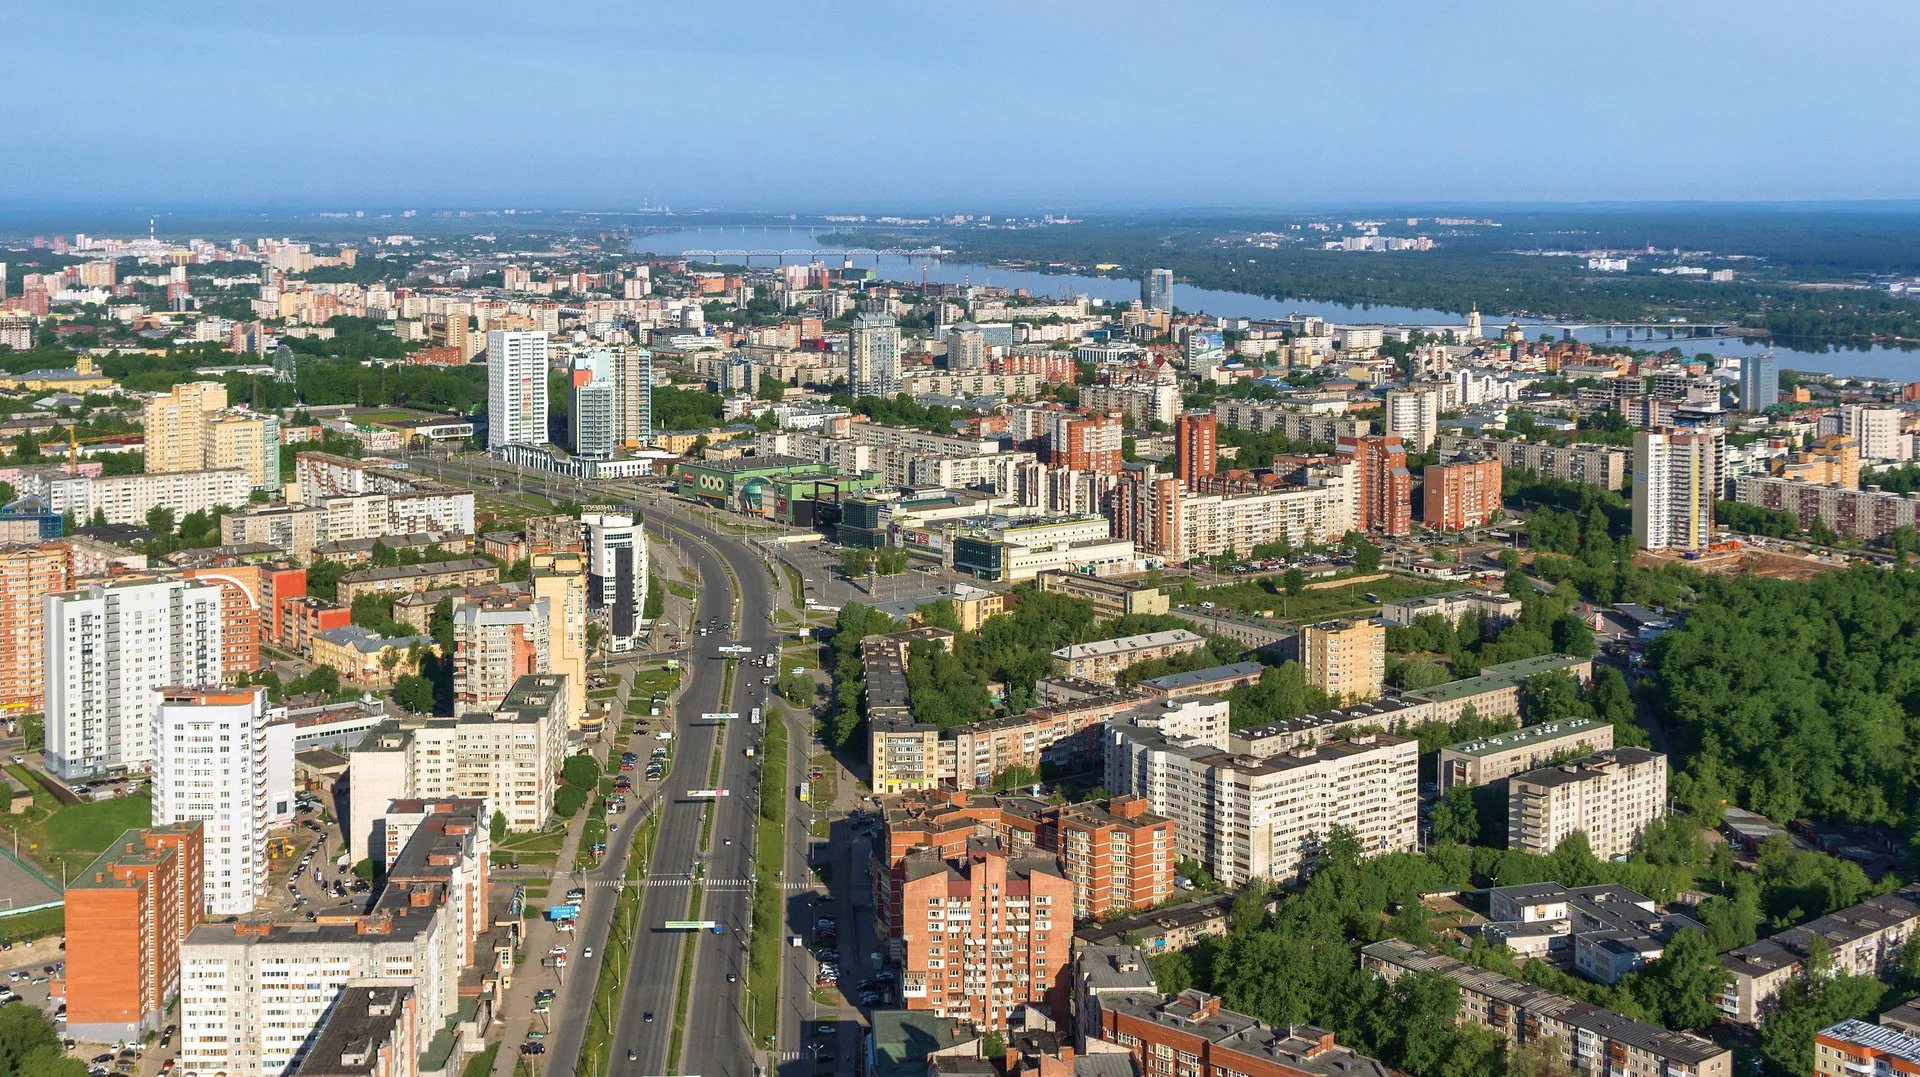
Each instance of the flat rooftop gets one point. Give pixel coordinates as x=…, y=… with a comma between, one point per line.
x=1524, y=736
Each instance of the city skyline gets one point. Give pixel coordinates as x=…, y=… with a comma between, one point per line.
x=1397, y=75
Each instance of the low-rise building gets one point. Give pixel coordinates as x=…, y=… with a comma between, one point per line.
x=1103, y=660
x=1609, y=796
x=1852, y=1048
x=361, y=654
x=1605, y=466
x=1110, y=597
x=1490, y=759
x=1495, y=609
x=1862, y=940
x=1605, y=931
x=1212, y=681
x=1500, y=690
x=1594, y=1041
x=411, y=579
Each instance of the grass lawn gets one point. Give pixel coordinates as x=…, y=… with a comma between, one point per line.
x=481, y=1064
x=683, y=591
x=604, y=693
x=76, y=833
x=1256, y=596
x=33, y=925
x=388, y=416
x=541, y=841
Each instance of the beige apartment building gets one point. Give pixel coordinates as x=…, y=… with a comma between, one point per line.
x=192, y=429
x=1103, y=660
x=1345, y=659
x=1489, y=759
x=1592, y=1041
x=1610, y=796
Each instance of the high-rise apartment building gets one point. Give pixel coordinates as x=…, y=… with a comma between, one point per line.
x=1675, y=481
x=1078, y=441
x=966, y=347
x=1345, y=659
x=1413, y=416
x=126, y=915
x=1832, y=459
x=616, y=575
x=28, y=574
x=593, y=418
x=1465, y=493
x=242, y=608
x=213, y=770
x=1383, y=488
x=516, y=387
x=1156, y=289
x=1759, y=382
x=108, y=646
x=1609, y=796
x=633, y=395
x=1249, y=807
x=192, y=429
x=560, y=580
x=496, y=641
x=984, y=935
x=1876, y=429
x=873, y=355
x=1195, y=446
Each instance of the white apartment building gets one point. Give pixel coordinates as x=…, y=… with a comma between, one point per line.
x=251, y=995
x=108, y=646
x=1293, y=421
x=873, y=352
x=511, y=756
x=1245, y=815
x=616, y=566
x=126, y=499
x=1413, y=416
x=1142, y=403
x=1675, y=481
x=1876, y=429
x=213, y=769
x=1177, y=524
x=1610, y=796
x=516, y=387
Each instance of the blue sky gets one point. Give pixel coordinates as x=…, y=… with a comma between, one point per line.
x=978, y=106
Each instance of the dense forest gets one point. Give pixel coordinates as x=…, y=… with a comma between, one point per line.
x=1802, y=699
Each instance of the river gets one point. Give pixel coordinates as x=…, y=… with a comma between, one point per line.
x=1876, y=362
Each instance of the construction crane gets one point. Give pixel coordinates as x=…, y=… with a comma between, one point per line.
x=74, y=442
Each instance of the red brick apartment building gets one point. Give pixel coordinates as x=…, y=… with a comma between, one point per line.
x=984, y=935
x=126, y=916
x=1465, y=493
x=1383, y=488
x=1189, y=1035
x=1117, y=856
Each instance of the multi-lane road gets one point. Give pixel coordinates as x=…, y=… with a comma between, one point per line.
x=713, y=1026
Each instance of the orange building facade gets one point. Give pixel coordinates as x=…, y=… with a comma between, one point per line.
x=28, y=574
x=240, y=605
x=984, y=935
x=126, y=916
x=1196, y=446
x=1384, y=487
x=1462, y=494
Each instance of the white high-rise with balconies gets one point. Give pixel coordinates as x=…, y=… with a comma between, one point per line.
x=516, y=387
x=108, y=646
x=873, y=355
x=213, y=769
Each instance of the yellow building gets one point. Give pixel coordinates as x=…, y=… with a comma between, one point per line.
x=1830, y=460
x=81, y=379
x=1345, y=659
x=561, y=579
x=360, y=654
x=192, y=429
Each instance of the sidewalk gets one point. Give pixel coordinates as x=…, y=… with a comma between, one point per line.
x=517, y=1007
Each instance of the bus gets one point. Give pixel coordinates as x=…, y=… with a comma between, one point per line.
x=801, y=792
